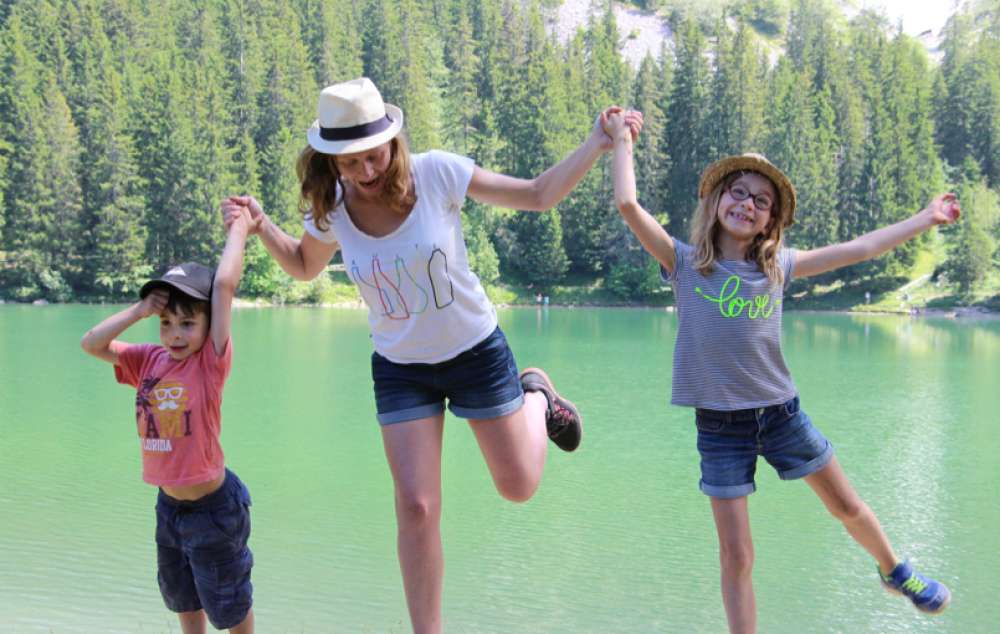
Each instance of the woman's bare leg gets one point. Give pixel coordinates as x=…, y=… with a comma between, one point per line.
x=413, y=450
x=515, y=447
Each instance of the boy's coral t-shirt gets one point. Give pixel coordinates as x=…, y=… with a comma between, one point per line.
x=178, y=411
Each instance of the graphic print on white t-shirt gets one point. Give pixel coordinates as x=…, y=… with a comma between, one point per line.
x=437, y=272
x=401, y=292
x=425, y=303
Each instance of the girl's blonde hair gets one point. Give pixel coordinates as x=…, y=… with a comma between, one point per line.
x=705, y=231
x=320, y=181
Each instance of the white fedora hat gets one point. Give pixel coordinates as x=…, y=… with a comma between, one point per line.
x=353, y=118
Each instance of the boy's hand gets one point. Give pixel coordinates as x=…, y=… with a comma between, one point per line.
x=154, y=303
x=233, y=206
x=943, y=210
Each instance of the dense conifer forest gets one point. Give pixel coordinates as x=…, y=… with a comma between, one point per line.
x=124, y=122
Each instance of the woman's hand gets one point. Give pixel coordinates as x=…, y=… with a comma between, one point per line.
x=942, y=210
x=234, y=206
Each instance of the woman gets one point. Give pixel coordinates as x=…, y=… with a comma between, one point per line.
x=396, y=217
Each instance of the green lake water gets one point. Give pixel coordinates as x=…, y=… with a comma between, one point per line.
x=618, y=538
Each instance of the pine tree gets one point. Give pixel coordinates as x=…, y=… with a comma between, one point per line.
x=687, y=131
x=286, y=106
x=591, y=223
x=878, y=189
x=647, y=96
x=738, y=102
x=112, y=236
x=972, y=243
x=534, y=247
x=41, y=190
x=462, y=103
x=331, y=35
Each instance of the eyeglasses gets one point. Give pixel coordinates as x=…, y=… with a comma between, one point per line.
x=740, y=192
x=168, y=393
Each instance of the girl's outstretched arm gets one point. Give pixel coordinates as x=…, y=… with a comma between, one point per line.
x=654, y=238
x=942, y=210
x=100, y=340
x=546, y=190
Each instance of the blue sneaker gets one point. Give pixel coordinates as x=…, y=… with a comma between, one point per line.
x=926, y=594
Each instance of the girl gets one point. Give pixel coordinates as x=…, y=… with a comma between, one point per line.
x=729, y=284
x=396, y=217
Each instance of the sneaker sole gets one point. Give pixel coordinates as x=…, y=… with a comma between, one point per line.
x=568, y=404
x=940, y=609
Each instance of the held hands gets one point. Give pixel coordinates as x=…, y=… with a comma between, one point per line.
x=242, y=208
x=154, y=303
x=942, y=210
x=240, y=221
x=605, y=128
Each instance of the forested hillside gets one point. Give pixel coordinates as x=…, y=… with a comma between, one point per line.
x=124, y=122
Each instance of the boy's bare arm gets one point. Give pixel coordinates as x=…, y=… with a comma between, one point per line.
x=100, y=340
x=227, y=280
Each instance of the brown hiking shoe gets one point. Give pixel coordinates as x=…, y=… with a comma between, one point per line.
x=562, y=420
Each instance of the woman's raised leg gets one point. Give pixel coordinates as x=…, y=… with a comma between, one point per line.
x=515, y=447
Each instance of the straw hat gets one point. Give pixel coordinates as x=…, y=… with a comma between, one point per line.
x=750, y=162
x=353, y=118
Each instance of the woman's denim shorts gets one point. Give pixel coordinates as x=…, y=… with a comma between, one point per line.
x=729, y=443
x=479, y=383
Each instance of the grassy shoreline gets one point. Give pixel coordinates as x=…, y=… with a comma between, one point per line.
x=915, y=300
x=920, y=296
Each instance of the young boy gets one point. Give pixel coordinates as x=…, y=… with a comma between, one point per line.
x=202, y=510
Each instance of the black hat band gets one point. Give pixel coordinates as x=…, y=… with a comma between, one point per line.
x=357, y=131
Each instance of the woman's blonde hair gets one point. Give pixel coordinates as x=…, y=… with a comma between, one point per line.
x=705, y=231
x=320, y=181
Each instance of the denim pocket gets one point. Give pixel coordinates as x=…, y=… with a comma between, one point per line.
x=711, y=425
x=488, y=346
x=786, y=411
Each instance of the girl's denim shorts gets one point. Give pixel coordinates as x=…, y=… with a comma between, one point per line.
x=479, y=383
x=729, y=443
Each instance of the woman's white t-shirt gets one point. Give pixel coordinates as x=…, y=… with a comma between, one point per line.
x=424, y=303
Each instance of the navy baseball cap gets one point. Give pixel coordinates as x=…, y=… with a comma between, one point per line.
x=190, y=278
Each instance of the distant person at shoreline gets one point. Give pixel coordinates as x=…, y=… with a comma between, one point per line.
x=728, y=365
x=396, y=219
x=202, y=509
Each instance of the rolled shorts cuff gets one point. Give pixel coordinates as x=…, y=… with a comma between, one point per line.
x=810, y=467
x=234, y=620
x=182, y=606
x=410, y=413
x=494, y=411
x=727, y=491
